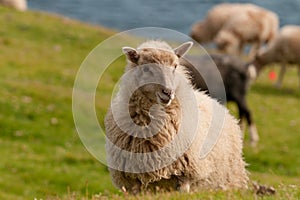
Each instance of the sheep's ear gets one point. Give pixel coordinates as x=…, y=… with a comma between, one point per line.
x=183, y=49
x=131, y=54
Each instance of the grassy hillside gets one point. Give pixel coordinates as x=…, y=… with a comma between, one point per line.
x=41, y=154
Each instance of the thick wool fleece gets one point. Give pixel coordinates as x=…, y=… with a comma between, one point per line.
x=222, y=168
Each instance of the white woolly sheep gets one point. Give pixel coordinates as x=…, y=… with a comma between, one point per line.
x=285, y=49
x=234, y=25
x=222, y=167
x=16, y=4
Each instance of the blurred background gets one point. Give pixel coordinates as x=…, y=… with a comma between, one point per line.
x=174, y=14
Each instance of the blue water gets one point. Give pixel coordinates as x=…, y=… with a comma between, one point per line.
x=174, y=14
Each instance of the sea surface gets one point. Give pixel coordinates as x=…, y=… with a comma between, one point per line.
x=177, y=15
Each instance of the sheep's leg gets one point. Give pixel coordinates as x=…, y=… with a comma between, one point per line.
x=183, y=185
x=299, y=75
x=240, y=49
x=242, y=126
x=241, y=123
x=254, y=50
x=253, y=135
x=281, y=74
x=242, y=107
x=127, y=185
x=245, y=112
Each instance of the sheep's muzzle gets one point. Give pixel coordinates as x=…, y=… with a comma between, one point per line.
x=165, y=96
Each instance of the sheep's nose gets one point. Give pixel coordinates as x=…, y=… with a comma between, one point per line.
x=167, y=92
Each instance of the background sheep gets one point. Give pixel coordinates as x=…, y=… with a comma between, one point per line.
x=16, y=4
x=285, y=49
x=263, y=25
x=257, y=27
x=236, y=76
x=206, y=30
x=222, y=168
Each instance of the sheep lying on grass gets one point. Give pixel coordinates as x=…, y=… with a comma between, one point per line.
x=156, y=90
x=16, y=4
x=285, y=49
x=232, y=25
x=236, y=76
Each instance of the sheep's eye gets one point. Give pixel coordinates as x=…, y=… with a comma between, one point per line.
x=174, y=68
x=146, y=69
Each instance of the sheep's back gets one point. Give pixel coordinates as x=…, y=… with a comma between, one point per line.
x=16, y=4
x=285, y=47
x=224, y=162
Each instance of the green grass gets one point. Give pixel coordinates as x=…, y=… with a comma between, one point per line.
x=41, y=153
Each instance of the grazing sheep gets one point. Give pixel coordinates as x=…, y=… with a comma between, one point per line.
x=285, y=49
x=186, y=113
x=236, y=76
x=255, y=27
x=206, y=30
x=232, y=25
x=16, y=4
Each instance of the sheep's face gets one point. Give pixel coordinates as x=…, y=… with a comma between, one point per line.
x=199, y=33
x=155, y=71
x=157, y=82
